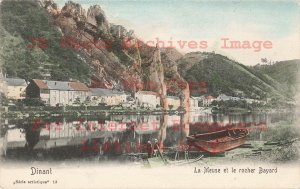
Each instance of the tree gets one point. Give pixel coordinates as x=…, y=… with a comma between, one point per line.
x=3, y=99
x=264, y=60
x=77, y=101
x=87, y=100
x=30, y=102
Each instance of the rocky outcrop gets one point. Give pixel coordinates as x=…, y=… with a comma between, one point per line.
x=73, y=10
x=50, y=6
x=156, y=76
x=95, y=16
x=117, y=57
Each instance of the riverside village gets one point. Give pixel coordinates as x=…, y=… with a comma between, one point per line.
x=142, y=104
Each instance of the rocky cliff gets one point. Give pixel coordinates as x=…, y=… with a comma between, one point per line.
x=116, y=56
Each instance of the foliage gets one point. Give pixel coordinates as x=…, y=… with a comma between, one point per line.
x=77, y=101
x=23, y=21
x=284, y=72
x=30, y=102
x=3, y=99
x=171, y=107
x=229, y=77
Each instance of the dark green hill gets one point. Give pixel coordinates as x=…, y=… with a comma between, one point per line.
x=227, y=76
x=283, y=72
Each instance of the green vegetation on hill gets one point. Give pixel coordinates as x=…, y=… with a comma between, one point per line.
x=20, y=21
x=227, y=76
x=283, y=72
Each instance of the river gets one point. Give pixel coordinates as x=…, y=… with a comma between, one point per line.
x=111, y=136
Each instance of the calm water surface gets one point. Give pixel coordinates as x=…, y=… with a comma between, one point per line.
x=111, y=136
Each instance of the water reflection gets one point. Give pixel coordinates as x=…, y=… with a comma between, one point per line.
x=113, y=135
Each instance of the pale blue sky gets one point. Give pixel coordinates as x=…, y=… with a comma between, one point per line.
x=197, y=20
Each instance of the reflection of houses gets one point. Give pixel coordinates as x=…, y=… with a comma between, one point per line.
x=107, y=96
x=14, y=139
x=15, y=88
x=208, y=100
x=147, y=127
x=173, y=101
x=63, y=134
x=57, y=92
x=147, y=98
x=75, y=133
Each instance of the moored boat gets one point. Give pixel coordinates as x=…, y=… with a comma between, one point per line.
x=219, y=141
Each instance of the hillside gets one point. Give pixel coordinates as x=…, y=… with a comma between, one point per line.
x=283, y=72
x=227, y=76
x=82, y=45
x=22, y=21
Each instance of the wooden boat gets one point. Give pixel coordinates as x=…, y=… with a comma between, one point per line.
x=219, y=141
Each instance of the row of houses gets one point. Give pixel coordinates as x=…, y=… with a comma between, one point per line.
x=73, y=92
x=206, y=101
x=224, y=97
x=57, y=92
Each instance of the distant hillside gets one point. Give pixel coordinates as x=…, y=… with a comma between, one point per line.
x=283, y=72
x=227, y=76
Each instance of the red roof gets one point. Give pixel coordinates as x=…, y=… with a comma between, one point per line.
x=77, y=86
x=40, y=83
x=60, y=85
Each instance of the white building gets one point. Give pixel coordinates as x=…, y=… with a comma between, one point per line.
x=208, y=100
x=15, y=88
x=223, y=97
x=173, y=101
x=251, y=101
x=235, y=98
x=107, y=96
x=147, y=98
x=57, y=92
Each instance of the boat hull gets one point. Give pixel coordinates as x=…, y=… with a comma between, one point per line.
x=218, y=142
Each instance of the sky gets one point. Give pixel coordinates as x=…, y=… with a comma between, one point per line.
x=210, y=21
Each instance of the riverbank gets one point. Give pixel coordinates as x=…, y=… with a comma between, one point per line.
x=280, y=144
x=15, y=112
x=44, y=111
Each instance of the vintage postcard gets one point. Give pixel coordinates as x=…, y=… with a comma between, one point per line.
x=149, y=94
